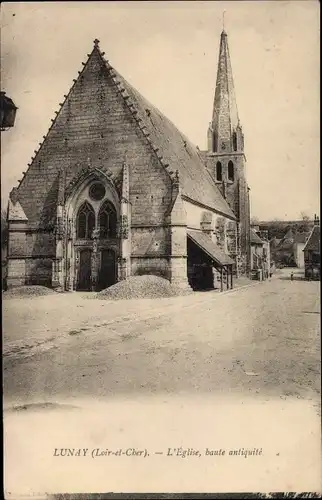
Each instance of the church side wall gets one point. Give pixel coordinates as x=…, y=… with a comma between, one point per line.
x=224, y=229
x=40, y=251
x=195, y=215
x=236, y=194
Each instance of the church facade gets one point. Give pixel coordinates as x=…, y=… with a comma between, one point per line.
x=115, y=190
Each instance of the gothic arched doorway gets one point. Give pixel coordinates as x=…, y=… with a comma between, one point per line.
x=85, y=270
x=95, y=243
x=107, y=269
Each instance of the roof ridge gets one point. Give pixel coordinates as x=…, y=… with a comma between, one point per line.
x=135, y=112
x=186, y=141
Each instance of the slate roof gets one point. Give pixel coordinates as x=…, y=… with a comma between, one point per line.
x=255, y=239
x=225, y=113
x=290, y=239
x=301, y=237
x=274, y=242
x=313, y=243
x=208, y=246
x=195, y=181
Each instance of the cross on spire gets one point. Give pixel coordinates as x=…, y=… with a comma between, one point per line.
x=96, y=42
x=223, y=20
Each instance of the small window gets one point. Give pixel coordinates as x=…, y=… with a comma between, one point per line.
x=97, y=191
x=231, y=171
x=85, y=221
x=218, y=171
x=214, y=143
x=234, y=141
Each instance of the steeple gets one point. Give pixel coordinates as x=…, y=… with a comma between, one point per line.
x=225, y=133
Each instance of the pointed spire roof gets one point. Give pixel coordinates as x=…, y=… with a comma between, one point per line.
x=225, y=117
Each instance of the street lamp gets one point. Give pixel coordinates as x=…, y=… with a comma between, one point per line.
x=8, y=112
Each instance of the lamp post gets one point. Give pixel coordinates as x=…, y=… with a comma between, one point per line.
x=8, y=112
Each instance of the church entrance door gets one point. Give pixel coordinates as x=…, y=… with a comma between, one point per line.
x=107, y=270
x=85, y=271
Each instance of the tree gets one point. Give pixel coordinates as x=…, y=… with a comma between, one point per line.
x=305, y=224
x=304, y=217
x=254, y=221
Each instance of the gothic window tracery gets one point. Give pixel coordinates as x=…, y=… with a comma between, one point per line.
x=85, y=221
x=107, y=220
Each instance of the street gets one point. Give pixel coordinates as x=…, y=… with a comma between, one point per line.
x=120, y=384
x=259, y=340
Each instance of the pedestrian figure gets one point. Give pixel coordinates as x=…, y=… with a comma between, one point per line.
x=292, y=276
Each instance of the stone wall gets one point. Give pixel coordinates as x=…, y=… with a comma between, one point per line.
x=16, y=272
x=158, y=266
x=39, y=272
x=17, y=243
x=237, y=195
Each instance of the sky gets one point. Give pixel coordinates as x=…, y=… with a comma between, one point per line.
x=169, y=52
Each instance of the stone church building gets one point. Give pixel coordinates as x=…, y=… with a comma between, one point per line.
x=115, y=190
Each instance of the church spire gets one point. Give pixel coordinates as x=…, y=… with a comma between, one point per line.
x=224, y=131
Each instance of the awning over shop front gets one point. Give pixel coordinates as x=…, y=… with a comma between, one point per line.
x=210, y=248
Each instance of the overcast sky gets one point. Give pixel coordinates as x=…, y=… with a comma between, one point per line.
x=169, y=52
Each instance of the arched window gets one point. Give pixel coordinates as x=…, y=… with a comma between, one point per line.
x=107, y=220
x=234, y=141
x=218, y=171
x=85, y=221
x=231, y=173
x=214, y=144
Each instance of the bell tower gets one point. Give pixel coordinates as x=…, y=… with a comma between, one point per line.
x=225, y=157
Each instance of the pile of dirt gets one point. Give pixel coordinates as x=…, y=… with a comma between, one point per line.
x=141, y=287
x=28, y=291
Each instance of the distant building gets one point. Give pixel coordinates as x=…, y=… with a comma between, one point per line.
x=312, y=253
x=299, y=244
x=289, y=250
x=260, y=254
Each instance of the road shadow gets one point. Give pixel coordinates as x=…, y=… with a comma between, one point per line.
x=295, y=278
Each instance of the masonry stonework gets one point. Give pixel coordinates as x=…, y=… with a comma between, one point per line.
x=226, y=161
x=155, y=183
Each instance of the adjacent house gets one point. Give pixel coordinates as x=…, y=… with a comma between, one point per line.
x=260, y=254
x=312, y=253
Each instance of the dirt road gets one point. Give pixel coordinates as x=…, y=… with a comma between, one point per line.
x=261, y=340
